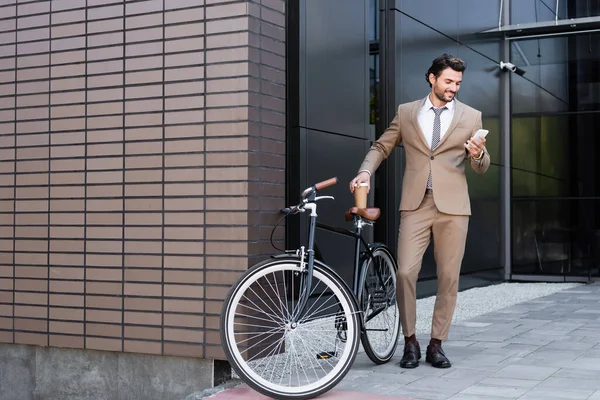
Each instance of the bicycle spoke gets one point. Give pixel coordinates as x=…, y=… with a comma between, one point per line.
x=274, y=330
x=269, y=356
x=252, y=317
x=273, y=317
x=261, y=299
x=308, y=317
x=273, y=358
x=254, y=345
x=313, y=351
x=261, y=286
x=282, y=305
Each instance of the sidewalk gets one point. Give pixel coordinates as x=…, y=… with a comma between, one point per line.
x=547, y=348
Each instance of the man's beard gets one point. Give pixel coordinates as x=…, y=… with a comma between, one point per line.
x=442, y=97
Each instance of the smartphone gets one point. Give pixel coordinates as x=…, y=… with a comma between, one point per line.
x=481, y=133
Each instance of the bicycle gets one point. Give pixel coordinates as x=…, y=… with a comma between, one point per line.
x=280, y=299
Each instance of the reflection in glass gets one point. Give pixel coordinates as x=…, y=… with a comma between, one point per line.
x=373, y=64
x=554, y=144
x=556, y=237
x=529, y=11
x=374, y=89
x=421, y=36
x=373, y=20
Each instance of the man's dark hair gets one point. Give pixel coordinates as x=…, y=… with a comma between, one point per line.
x=445, y=61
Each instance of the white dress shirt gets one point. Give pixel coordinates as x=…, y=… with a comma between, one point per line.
x=426, y=117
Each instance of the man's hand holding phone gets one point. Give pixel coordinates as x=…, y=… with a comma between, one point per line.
x=476, y=144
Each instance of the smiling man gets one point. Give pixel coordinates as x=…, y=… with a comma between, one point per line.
x=437, y=135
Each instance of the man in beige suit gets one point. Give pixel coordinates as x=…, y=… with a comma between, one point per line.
x=437, y=135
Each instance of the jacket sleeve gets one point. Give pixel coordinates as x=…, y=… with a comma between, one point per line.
x=383, y=147
x=482, y=165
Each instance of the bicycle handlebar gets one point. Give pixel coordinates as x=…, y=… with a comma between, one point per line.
x=326, y=183
x=315, y=188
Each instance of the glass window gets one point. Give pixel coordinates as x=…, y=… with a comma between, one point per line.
x=554, y=144
x=528, y=11
x=373, y=20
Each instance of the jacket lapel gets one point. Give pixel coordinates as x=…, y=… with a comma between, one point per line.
x=458, y=110
x=415, y=121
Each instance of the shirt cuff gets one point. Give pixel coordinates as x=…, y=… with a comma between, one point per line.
x=365, y=170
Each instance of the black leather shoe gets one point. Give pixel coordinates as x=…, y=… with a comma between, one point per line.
x=436, y=357
x=412, y=355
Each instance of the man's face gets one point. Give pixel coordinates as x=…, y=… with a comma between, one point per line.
x=446, y=85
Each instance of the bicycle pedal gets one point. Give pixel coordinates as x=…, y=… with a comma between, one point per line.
x=325, y=355
x=380, y=296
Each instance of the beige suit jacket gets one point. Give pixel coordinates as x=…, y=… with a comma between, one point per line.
x=446, y=162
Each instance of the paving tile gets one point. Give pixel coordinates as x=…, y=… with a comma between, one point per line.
x=554, y=355
x=468, y=374
x=463, y=396
x=486, y=391
x=489, y=368
x=456, y=353
x=507, y=382
x=573, y=344
x=423, y=393
x=587, y=332
x=495, y=336
x=584, y=363
x=554, y=393
x=523, y=372
x=536, y=339
x=398, y=378
x=596, y=312
x=442, y=383
x=474, y=324
x=515, y=349
x=487, y=345
x=424, y=370
x=483, y=359
x=459, y=343
x=595, y=396
x=570, y=383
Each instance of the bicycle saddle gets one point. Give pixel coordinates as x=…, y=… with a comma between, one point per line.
x=367, y=213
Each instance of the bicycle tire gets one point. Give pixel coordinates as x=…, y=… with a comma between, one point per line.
x=380, y=251
x=242, y=367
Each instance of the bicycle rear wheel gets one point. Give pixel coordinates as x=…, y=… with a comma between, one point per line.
x=271, y=355
x=377, y=300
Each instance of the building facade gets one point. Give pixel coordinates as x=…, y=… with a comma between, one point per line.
x=535, y=210
x=148, y=146
x=142, y=163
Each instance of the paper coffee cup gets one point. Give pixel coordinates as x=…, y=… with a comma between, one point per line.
x=360, y=195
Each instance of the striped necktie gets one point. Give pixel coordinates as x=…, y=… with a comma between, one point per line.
x=437, y=131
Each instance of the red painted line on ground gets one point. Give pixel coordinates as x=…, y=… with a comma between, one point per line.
x=246, y=393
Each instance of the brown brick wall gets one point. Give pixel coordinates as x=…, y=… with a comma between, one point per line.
x=142, y=154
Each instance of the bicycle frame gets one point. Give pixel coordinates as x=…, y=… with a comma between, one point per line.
x=358, y=239
x=359, y=223
x=306, y=273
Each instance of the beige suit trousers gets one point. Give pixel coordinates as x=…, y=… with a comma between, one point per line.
x=449, y=238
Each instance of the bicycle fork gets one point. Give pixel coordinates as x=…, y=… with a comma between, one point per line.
x=306, y=268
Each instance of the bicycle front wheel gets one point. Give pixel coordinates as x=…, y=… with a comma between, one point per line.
x=377, y=300
x=273, y=355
